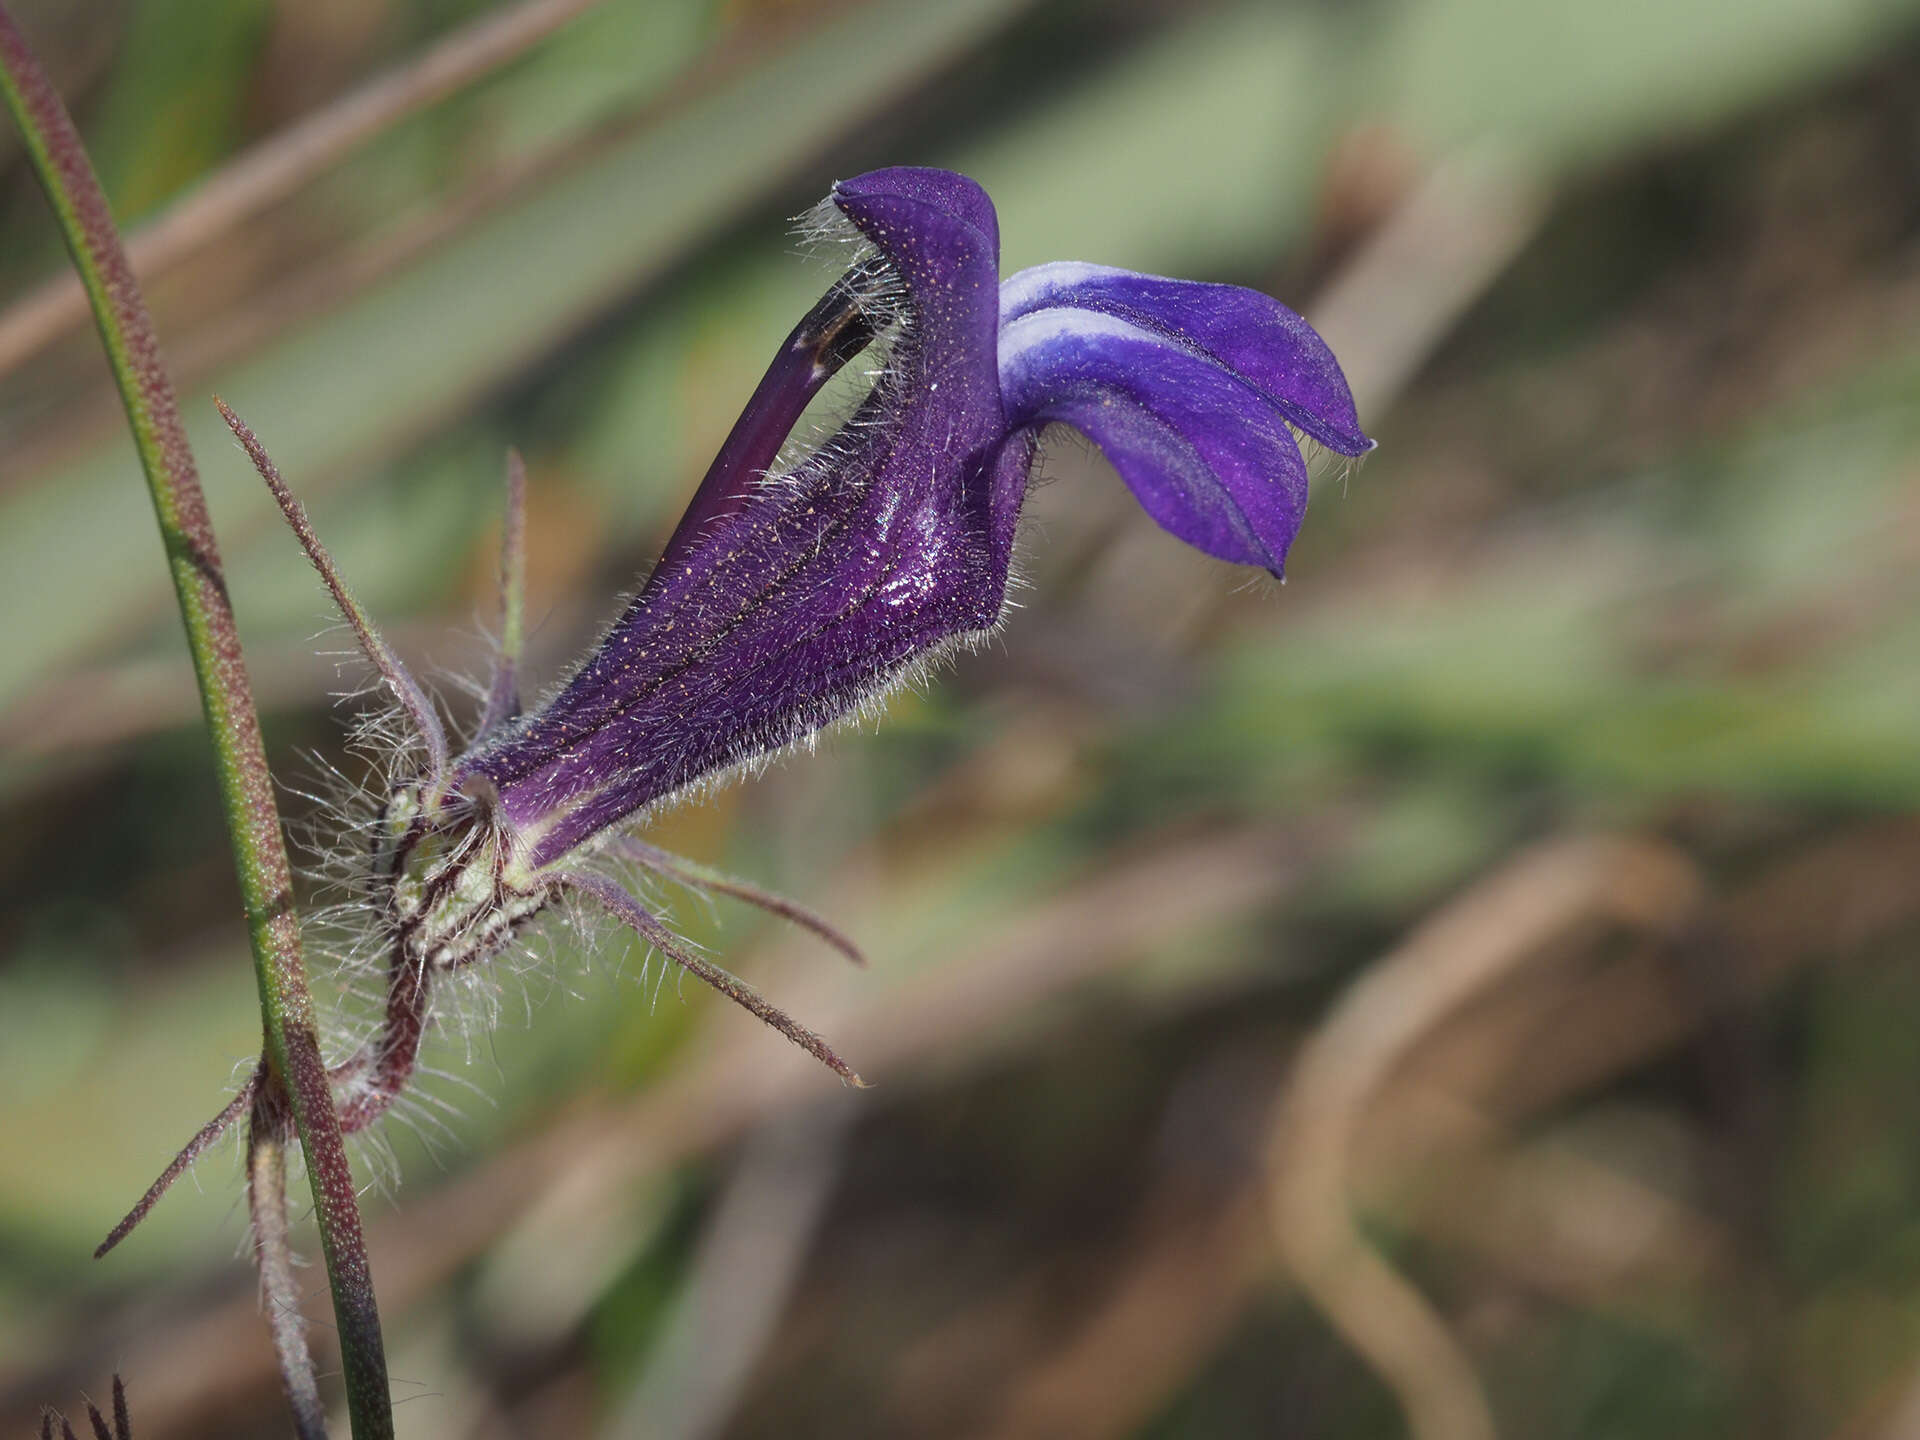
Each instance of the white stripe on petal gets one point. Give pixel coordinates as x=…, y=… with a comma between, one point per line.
x=1043, y=329
x=1039, y=285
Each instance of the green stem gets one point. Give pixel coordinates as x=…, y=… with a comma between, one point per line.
x=292, y=1044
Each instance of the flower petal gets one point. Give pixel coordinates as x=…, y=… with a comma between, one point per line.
x=950, y=196
x=1263, y=342
x=1208, y=455
x=937, y=231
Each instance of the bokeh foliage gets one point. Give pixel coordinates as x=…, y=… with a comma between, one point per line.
x=1637, y=555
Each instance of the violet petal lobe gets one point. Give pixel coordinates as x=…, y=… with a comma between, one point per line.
x=937, y=231
x=1260, y=340
x=806, y=594
x=1205, y=455
x=951, y=197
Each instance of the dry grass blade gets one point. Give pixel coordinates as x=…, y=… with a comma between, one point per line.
x=1486, y=935
x=279, y=167
x=743, y=1276
x=1180, y=1276
x=1434, y=256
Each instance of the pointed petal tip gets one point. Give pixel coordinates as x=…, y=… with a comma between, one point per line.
x=1349, y=443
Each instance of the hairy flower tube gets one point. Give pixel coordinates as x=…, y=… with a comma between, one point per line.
x=789, y=596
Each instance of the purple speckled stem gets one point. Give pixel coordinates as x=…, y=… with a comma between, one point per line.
x=294, y=1064
x=379, y=1073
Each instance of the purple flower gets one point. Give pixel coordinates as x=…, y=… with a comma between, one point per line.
x=789, y=597
x=781, y=604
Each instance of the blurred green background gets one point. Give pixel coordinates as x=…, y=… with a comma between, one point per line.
x=1524, y=896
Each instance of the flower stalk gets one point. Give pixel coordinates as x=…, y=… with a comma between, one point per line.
x=293, y=1069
